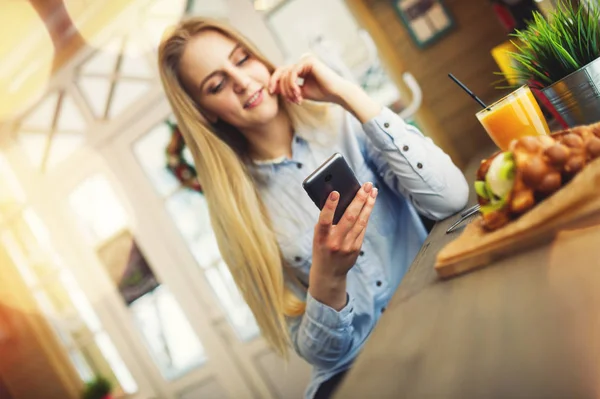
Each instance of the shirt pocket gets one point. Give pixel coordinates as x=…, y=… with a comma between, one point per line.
x=297, y=252
x=385, y=215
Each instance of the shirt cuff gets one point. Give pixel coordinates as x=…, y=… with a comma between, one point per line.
x=327, y=316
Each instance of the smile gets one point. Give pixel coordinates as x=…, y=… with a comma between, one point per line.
x=254, y=100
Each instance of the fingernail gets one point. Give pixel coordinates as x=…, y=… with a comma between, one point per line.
x=368, y=187
x=374, y=192
x=334, y=196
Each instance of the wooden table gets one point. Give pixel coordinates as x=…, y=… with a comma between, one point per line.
x=525, y=327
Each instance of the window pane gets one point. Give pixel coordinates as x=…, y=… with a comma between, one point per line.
x=103, y=62
x=59, y=298
x=98, y=209
x=103, y=358
x=168, y=334
x=40, y=233
x=11, y=193
x=70, y=118
x=34, y=145
x=82, y=367
x=96, y=91
x=18, y=258
x=134, y=62
x=41, y=117
x=150, y=153
x=48, y=310
x=161, y=15
x=126, y=93
x=63, y=302
x=63, y=145
x=190, y=214
x=237, y=310
x=28, y=247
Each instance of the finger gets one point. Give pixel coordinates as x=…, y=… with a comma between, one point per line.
x=363, y=219
x=359, y=240
x=274, y=81
x=288, y=86
x=351, y=213
x=326, y=216
x=283, y=84
x=294, y=84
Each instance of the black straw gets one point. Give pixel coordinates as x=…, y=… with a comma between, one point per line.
x=469, y=92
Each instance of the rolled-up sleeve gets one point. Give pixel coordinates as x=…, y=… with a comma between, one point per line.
x=413, y=166
x=323, y=335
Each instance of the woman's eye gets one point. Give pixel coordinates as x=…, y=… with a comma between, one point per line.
x=243, y=60
x=217, y=88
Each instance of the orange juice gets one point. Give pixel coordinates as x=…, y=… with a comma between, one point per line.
x=514, y=116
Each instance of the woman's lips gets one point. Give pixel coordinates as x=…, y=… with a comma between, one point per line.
x=255, y=100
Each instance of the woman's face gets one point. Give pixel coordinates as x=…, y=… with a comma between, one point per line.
x=227, y=82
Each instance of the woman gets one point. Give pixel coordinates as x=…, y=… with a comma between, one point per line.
x=255, y=133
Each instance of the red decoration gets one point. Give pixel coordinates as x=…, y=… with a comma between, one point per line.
x=176, y=162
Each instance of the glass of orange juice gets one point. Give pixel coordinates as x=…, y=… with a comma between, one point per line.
x=514, y=116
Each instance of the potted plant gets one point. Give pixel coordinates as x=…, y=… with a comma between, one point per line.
x=560, y=56
x=98, y=388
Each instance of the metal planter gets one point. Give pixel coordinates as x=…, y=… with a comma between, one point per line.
x=577, y=97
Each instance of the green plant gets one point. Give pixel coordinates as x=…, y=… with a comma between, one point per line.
x=550, y=49
x=98, y=388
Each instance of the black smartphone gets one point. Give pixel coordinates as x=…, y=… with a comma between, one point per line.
x=333, y=175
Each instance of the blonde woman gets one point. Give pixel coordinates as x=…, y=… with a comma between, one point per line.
x=255, y=133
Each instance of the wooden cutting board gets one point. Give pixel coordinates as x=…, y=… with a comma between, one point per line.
x=576, y=205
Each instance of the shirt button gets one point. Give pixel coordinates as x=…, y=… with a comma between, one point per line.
x=405, y=148
x=298, y=139
x=420, y=165
x=297, y=259
x=362, y=253
x=378, y=283
x=382, y=309
x=386, y=125
x=299, y=165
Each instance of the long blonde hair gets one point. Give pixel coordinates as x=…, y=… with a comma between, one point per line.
x=238, y=216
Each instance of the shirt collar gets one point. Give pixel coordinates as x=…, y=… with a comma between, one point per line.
x=265, y=169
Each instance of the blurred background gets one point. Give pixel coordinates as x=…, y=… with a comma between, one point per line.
x=109, y=270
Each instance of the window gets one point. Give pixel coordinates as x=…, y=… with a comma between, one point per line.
x=189, y=212
x=52, y=130
x=57, y=293
x=115, y=77
x=168, y=335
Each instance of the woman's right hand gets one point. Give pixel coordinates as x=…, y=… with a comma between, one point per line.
x=336, y=247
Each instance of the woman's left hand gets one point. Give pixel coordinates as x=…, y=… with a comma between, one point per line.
x=320, y=82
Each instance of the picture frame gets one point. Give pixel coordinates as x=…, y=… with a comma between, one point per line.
x=127, y=267
x=427, y=21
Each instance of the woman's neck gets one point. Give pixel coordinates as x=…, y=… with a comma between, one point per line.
x=272, y=140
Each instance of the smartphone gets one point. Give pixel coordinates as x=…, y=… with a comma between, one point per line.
x=333, y=175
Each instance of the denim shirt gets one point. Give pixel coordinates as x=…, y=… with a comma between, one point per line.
x=411, y=173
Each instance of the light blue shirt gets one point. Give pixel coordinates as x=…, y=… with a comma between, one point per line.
x=411, y=173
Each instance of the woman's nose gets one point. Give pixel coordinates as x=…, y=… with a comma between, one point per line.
x=240, y=82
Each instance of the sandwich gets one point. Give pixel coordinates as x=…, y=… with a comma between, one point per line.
x=511, y=183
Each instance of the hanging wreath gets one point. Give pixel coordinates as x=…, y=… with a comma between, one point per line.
x=176, y=162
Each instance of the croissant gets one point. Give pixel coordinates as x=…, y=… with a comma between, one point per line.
x=511, y=183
